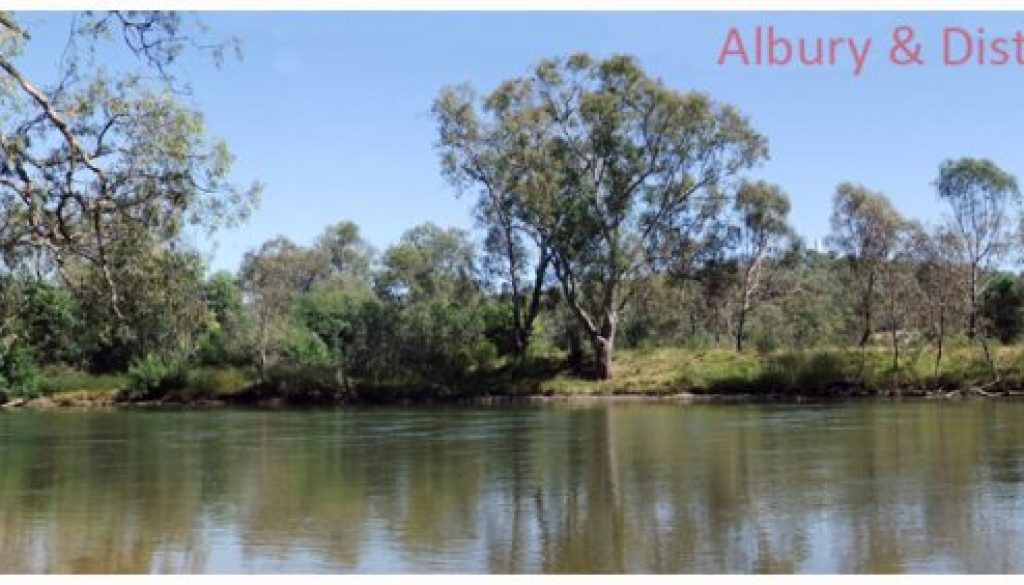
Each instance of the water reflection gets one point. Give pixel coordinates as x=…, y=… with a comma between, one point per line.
x=857, y=487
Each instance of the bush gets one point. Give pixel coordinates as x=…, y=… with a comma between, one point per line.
x=57, y=379
x=305, y=348
x=301, y=384
x=153, y=377
x=443, y=341
x=213, y=382
x=19, y=376
x=810, y=373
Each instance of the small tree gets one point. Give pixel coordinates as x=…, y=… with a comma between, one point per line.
x=762, y=209
x=984, y=202
x=865, y=229
x=272, y=277
x=939, y=278
x=1002, y=308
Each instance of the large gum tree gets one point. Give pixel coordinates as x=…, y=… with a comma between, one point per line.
x=95, y=158
x=608, y=161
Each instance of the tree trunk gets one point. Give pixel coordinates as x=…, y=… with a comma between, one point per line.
x=575, y=357
x=741, y=321
x=602, y=358
x=942, y=333
x=989, y=359
x=895, y=350
x=972, y=317
x=604, y=344
x=893, y=325
x=867, y=311
x=524, y=320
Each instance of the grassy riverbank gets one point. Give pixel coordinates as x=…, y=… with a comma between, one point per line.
x=655, y=372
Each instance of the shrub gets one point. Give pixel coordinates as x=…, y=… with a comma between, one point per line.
x=57, y=379
x=153, y=377
x=213, y=382
x=299, y=384
x=19, y=376
x=305, y=348
x=806, y=372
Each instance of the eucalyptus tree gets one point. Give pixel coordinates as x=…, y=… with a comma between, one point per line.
x=489, y=147
x=865, y=230
x=940, y=277
x=272, y=278
x=92, y=157
x=984, y=203
x=898, y=284
x=350, y=256
x=430, y=262
x=162, y=312
x=762, y=211
x=617, y=159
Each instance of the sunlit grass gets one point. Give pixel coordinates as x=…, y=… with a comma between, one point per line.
x=821, y=371
x=654, y=371
x=63, y=380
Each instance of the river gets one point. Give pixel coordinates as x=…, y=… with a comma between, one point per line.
x=861, y=486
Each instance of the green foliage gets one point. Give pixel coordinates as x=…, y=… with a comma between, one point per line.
x=153, y=377
x=19, y=375
x=305, y=348
x=219, y=382
x=442, y=340
x=227, y=337
x=613, y=211
x=301, y=384
x=807, y=372
x=162, y=310
x=60, y=379
x=428, y=263
x=499, y=326
x=51, y=322
x=1002, y=308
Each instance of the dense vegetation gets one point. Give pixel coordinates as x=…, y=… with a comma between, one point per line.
x=614, y=213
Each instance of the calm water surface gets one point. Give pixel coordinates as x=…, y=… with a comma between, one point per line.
x=853, y=487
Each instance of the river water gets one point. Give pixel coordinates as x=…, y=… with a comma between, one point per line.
x=864, y=486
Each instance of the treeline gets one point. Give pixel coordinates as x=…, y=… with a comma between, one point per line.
x=434, y=310
x=613, y=211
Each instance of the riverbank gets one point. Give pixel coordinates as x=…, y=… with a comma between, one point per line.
x=664, y=374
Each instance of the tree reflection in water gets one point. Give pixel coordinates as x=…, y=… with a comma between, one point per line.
x=852, y=487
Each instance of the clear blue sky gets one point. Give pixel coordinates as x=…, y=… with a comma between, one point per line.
x=332, y=110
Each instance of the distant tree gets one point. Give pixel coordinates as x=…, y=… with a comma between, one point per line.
x=865, y=230
x=51, y=323
x=430, y=263
x=982, y=199
x=939, y=278
x=898, y=285
x=762, y=211
x=228, y=334
x=273, y=276
x=348, y=254
x=1002, y=308
x=162, y=311
x=984, y=202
